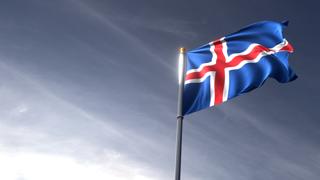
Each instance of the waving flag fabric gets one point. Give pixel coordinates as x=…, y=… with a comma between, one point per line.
x=236, y=64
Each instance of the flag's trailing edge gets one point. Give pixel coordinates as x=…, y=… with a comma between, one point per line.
x=236, y=64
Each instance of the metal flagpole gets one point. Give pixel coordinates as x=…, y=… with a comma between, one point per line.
x=181, y=72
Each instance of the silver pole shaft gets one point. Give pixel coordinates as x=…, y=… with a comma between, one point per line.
x=179, y=147
x=179, y=113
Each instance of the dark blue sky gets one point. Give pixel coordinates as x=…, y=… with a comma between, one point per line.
x=88, y=90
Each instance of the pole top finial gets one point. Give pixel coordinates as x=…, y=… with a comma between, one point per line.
x=182, y=50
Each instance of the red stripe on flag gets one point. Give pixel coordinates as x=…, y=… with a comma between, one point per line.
x=220, y=76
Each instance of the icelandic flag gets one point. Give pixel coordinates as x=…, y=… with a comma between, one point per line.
x=236, y=64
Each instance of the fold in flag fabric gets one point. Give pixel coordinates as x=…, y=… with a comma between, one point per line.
x=236, y=64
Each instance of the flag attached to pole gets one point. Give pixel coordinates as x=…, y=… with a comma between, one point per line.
x=236, y=64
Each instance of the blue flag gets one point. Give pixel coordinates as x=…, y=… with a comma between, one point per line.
x=236, y=64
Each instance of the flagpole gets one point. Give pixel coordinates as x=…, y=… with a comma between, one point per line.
x=182, y=54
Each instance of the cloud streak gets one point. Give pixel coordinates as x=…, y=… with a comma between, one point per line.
x=36, y=131
x=133, y=40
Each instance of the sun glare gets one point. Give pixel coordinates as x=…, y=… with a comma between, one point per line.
x=180, y=67
x=34, y=166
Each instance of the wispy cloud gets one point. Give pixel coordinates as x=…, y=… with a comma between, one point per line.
x=136, y=42
x=175, y=27
x=42, y=131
